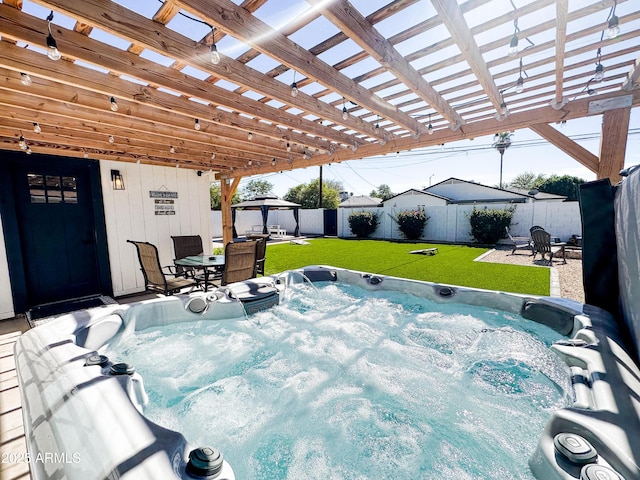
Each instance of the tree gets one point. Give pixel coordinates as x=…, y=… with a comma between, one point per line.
x=255, y=188
x=307, y=194
x=502, y=141
x=383, y=192
x=527, y=181
x=216, y=196
x=565, y=185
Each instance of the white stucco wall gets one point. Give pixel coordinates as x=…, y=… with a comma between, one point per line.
x=130, y=215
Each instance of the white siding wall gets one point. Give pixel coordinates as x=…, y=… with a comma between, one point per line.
x=6, y=298
x=130, y=215
x=450, y=223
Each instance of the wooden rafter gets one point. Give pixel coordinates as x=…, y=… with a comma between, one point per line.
x=151, y=35
x=249, y=91
x=357, y=28
x=453, y=19
x=562, y=10
x=233, y=19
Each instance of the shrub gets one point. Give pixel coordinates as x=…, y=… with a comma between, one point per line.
x=488, y=226
x=411, y=223
x=363, y=224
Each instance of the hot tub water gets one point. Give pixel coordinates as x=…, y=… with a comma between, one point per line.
x=344, y=383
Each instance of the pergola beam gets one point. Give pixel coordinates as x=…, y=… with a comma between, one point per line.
x=568, y=146
x=242, y=25
x=146, y=33
x=613, y=143
x=356, y=26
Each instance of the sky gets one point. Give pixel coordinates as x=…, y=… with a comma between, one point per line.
x=470, y=160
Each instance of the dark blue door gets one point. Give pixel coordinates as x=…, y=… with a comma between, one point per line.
x=56, y=228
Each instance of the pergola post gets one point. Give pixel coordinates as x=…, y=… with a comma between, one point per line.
x=613, y=143
x=227, y=189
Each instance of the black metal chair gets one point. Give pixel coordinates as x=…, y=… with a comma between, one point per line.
x=154, y=277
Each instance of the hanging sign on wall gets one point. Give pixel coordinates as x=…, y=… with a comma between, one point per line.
x=164, y=202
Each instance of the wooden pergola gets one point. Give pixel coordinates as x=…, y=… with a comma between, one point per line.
x=136, y=81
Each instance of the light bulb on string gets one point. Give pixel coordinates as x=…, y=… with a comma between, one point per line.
x=22, y=143
x=213, y=54
x=114, y=104
x=25, y=79
x=36, y=127
x=196, y=124
x=52, y=46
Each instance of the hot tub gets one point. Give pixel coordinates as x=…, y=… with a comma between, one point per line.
x=84, y=411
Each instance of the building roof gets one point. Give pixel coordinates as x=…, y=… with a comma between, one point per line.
x=137, y=83
x=360, y=201
x=456, y=190
x=413, y=191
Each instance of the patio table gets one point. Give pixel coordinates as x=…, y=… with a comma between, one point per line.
x=202, y=262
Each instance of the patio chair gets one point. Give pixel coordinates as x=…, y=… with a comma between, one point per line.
x=186, y=246
x=154, y=277
x=519, y=242
x=261, y=255
x=542, y=244
x=239, y=262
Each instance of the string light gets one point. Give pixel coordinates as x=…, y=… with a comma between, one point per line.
x=214, y=55
x=114, y=104
x=250, y=136
x=111, y=139
x=196, y=124
x=520, y=81
x=598, y=75
x=36, y=127
x=430, y=126
x=28, y=151
x=345, y=114
x=513, y=45
x=294, y=86
x=52, y=46
x=613, y=29
x=172, y=149
x=213, y=155
x=288, y=147
x=25, y=79
x=273, y=162
x=22, y=143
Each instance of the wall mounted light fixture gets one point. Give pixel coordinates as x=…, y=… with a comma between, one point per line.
x=117, y=180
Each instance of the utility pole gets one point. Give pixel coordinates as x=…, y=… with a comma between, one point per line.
x=320, y=189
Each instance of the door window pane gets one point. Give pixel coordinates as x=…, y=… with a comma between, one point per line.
x=36, y=188
x=54, y=189
x=69, y=190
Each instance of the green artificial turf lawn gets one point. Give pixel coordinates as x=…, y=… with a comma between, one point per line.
x=452, y=265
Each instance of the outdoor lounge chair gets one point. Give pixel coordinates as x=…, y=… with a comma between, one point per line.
x=154, y=277
x=542, y=244
x=519, y=242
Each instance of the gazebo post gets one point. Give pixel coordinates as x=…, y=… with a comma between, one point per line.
x=227, y=189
